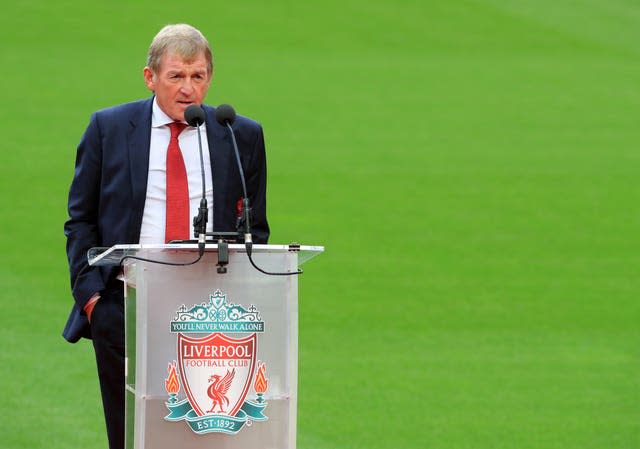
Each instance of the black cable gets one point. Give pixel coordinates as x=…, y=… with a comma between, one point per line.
x=87, y=266
x=249, y=245
x=162, y=262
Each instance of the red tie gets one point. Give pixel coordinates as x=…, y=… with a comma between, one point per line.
x=177, y=225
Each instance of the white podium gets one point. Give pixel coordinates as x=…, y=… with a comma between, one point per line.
x=211, y=358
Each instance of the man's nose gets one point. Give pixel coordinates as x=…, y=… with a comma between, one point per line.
x=187, y=86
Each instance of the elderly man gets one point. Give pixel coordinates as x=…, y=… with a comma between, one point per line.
x=138, y=179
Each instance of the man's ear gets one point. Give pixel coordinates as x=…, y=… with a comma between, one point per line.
x=149, y=79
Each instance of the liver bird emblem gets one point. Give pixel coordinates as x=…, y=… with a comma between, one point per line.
x=218, y=389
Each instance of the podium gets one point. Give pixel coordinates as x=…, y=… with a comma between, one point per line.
x=211, y=358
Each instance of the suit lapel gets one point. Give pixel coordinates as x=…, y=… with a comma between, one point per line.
x=138, y=140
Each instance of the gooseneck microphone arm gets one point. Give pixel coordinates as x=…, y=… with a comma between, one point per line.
x=246, y=210
x=245, y=198
x=194, y=116
x=225, y=116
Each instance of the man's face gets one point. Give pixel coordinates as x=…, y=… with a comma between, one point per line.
x=178, y=83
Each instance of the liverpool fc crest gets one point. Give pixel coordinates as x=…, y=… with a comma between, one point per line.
x=219, y=371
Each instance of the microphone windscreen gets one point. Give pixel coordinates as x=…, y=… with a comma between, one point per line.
x=225, y=114
x=194, y=115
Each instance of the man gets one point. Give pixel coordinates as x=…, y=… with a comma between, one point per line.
x=124, y=191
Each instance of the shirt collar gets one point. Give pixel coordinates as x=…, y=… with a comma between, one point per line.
x=160, y=119
x=158, y=116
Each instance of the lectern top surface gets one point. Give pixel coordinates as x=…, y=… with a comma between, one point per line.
x=100, y=256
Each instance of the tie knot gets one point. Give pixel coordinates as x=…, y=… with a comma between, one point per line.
x=176, y=128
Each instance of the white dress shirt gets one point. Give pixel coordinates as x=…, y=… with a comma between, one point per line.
x=153, y=219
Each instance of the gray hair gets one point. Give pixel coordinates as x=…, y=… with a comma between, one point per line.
x=181, y=39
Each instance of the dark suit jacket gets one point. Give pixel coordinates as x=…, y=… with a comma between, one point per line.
x=107, y=195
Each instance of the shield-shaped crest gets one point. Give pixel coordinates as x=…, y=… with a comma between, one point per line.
x=216, y=371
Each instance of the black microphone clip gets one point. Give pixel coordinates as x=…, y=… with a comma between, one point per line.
x=200, y=220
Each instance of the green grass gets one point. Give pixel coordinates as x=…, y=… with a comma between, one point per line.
x=471, y=168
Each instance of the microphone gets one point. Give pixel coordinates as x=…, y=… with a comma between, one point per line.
x=225, y=116
x=194, y=116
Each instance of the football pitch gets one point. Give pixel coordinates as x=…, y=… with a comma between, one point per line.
x=470, y=166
